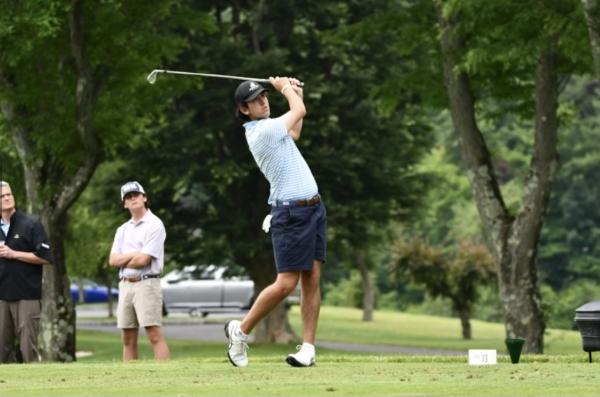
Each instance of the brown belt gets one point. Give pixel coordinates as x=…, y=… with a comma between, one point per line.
x=298, y=203
x=136, y=279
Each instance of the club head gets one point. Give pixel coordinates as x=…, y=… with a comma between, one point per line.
x=152, y=76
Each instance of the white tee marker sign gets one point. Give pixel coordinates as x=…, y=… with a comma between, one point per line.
x=482, y=357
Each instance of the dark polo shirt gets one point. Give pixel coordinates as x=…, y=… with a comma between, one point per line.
x=21, y=280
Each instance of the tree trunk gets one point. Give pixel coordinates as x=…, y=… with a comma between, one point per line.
x=58, y=314
x=368, y=301
x=275, y=327
x=592, y=17
x=513, y=241
x=465, y=322
x=518, y=276
x=57, y=326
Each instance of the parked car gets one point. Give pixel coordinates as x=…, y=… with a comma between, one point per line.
x=92, y=291
x=204, y=289
x=201, y=289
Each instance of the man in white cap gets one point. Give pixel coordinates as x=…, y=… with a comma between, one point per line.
x=138, y=252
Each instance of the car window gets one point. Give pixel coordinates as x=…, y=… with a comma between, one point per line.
x=208, y=272
x=235, y=272
x=203, y=273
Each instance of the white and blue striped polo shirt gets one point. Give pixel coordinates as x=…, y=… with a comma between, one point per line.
x=279, y=159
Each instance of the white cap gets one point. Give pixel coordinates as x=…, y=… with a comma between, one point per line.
x=129, y=187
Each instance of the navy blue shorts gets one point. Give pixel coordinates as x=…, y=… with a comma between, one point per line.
x=299, y=236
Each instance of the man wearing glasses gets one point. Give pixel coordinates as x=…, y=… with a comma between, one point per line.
x=24, y=248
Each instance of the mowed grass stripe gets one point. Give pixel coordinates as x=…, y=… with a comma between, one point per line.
x=366, y=376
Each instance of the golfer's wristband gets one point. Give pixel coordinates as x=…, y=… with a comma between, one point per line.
x=285, y=88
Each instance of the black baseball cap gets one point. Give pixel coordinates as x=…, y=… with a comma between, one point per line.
x=246, y=92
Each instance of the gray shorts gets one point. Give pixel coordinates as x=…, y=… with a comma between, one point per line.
x=140, y=304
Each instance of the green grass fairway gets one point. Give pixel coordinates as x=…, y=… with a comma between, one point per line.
x=202, y=369
x=334, y=375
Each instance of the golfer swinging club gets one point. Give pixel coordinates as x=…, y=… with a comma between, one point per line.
x=298, y=224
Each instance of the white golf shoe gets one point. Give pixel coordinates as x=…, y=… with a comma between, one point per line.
x=237, y=351
x=304, y=358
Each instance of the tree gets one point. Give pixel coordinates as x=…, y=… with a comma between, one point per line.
x=513, y=238
x=497, y=58
x=455, y=275
x=70, y=91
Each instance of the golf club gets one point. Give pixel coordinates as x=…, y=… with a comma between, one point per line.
x=152, y=76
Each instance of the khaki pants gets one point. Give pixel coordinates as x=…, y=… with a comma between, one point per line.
x=19, y=322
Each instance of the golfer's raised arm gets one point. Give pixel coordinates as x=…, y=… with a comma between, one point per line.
x=297, y=110
x=296, y=129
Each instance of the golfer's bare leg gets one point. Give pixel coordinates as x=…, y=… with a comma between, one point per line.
x=269, y=298
x=158, y=342
x=310, y=303
x=130, y=345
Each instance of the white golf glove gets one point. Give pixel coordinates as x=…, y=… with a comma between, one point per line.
x=267, y=223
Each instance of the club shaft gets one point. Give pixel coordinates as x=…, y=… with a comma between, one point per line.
x=221, y=76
